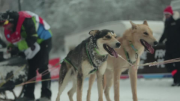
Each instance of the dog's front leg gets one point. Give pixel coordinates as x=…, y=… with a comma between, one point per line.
x=100, y=85
x=79, y=86
x=109, y=77
x=133, y=78
x=117, y=75
x=91, y=81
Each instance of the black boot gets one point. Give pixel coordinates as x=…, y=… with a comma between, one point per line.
x=24, y=99
x=175, y=84
x=175, y=80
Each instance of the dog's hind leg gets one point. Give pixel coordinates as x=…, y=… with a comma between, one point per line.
x=91, y=81
x=73, y=89
x=80, y=80
x=64, y=77
x=109, y=77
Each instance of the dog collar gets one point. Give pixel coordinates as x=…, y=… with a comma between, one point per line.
x=127, y=54
x=128, y=58
x=132, y=46
x=98, y=52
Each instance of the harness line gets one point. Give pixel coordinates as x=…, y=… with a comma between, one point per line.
x=45, y=72
x=146, y=64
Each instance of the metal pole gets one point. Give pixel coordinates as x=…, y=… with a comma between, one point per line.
x=19, y=5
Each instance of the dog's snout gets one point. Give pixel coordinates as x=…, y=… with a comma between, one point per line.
x=155, y=43
x=118, y=44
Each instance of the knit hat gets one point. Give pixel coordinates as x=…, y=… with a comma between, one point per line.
x=10, y=16
x=2, y=19
x=168, y=10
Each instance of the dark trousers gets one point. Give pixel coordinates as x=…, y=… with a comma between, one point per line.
x=172, y=66
x=40, y=62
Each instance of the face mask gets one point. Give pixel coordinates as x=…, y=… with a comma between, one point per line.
x=167, y=19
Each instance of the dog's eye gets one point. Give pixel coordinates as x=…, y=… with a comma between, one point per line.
x=146, y=33
x=108, y=37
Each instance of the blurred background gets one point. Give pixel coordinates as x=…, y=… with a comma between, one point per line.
x=71, y=17
x=71, y=20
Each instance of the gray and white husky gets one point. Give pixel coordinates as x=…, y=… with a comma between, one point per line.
x=87, y=58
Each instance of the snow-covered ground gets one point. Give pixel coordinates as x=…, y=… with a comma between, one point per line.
x=148, y=90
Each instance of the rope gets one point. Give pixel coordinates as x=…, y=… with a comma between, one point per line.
x=152, y=63
x=36, y=76
x=146, y=64
x=42, y=74
x=125, y=60
x=159, y=63
x=35, y=82
x=31, y=80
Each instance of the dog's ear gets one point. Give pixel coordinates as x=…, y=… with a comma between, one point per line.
x=145, y=23
x=133, y=25
x=112, y=31
x=94, y=32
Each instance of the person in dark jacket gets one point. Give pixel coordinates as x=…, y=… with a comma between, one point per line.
x=172, y=36
x=29, y=36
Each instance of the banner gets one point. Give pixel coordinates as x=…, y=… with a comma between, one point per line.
x=158, y=56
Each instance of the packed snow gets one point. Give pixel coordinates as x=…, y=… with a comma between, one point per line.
x=148, y=90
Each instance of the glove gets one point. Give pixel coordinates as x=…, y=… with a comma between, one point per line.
x=6, y=55
x=32, y=51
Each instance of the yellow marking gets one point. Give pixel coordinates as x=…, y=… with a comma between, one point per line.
x=35, y=35
x=6, y=22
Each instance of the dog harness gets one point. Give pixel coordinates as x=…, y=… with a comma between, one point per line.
x=95, y=58
x=69, y=62
x=91, y=52
x=127, y=54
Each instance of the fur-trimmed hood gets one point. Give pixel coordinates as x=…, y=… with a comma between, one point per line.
x=175, y=16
